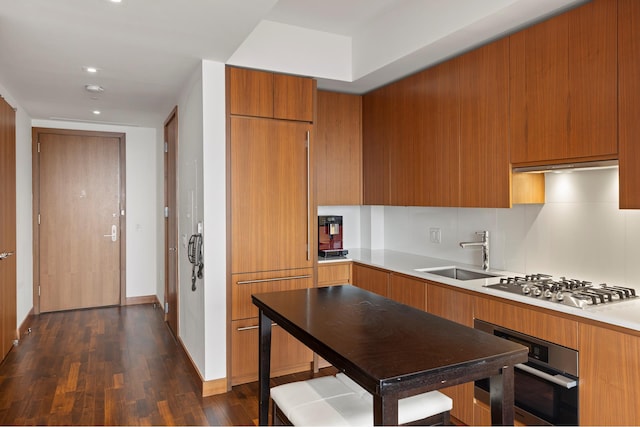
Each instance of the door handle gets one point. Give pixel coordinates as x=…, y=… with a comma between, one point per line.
x=113, y=235
x=5, y=255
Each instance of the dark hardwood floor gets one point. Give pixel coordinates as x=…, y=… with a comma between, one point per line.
x=113, y=366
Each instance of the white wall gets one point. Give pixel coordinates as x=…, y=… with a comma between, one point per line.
x=24, y=209
x=142, y=214
x=578, y=232
x=215, y=214
x=190, y=211
x=202, y=198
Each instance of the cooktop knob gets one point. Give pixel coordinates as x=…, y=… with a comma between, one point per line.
x=536, y=291
x=547, y=293
x=526, y=289
x=559, y=296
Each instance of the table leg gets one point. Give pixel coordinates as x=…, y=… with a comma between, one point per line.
x=502, y=397
x=385, y=410
x=264, y=368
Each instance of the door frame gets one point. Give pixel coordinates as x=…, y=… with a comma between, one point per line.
x=35, y=138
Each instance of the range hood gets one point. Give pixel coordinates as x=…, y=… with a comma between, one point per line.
x=599, y=164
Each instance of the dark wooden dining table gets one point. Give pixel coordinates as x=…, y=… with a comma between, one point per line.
x=390, y=349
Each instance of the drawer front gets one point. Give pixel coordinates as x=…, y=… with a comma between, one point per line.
x=288, y=355
x=244, y=285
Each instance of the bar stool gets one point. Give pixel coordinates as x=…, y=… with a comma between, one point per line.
x=340, y=401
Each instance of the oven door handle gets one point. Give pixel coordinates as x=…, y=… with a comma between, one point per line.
x=558, y=379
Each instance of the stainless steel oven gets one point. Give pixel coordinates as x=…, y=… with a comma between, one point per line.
x=546, y=387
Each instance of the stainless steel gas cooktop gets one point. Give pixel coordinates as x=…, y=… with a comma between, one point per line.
x=571, y=292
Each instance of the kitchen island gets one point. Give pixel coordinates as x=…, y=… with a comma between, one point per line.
x=390, y=349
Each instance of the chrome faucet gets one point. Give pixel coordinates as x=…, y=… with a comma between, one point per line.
x=485, y=247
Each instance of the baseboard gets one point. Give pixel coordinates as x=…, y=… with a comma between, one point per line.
x=144, y=299
x=25, y=326
x=208, y=388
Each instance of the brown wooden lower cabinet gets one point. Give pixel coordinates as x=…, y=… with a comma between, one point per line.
x=338, y=273
x=288, y=355
x=482, y=415
x=458, y=307
x=408, y=291
x=609, y=376
x=372, y=279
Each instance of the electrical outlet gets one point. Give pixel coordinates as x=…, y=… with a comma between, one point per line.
x=435, y=235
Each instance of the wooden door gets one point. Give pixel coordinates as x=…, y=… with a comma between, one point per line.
x=80, y=236
x=271, y=199
x=7, y=227
x=171, y=221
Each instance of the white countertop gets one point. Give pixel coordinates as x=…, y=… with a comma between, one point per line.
x=625, y=314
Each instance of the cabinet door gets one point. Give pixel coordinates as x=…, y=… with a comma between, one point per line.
x=408, y=291
x=270, y=195
x=376, y=137
x=609, y=377
x=371, y=279
x=288, y=355
x=245, y=285
x=564, y=86
x=435, y=123
x=250, y=92
x=293, y=97
x=338, y=151
x=334, y=274
x=485, y=166
x=629, y=102
x=458, y=307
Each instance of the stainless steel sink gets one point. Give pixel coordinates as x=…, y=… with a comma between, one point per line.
x=457, y=273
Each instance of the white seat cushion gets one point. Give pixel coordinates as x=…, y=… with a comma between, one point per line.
x=340, y=401
x=292, y=395
x=409, y=408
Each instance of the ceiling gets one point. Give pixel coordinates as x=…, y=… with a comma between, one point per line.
x=147, y=50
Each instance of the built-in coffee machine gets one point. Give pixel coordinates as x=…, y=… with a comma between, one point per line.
x=330, y=237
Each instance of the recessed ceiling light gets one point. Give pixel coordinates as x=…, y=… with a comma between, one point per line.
x=116, y=1
x=94, y=88
x=91, y=70
x=96, y=112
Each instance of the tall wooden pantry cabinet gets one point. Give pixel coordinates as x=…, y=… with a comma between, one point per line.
x=271, y=208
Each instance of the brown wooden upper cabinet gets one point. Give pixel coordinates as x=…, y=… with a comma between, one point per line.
x=440, y=136
x=271, y=95
x=629, y=102
x=564, y=87
x=338, y=150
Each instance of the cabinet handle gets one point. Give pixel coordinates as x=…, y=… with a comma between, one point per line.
x=274, y=279
x=248, y=328
x=556, y=379
x=308, y=145
x=5, y=255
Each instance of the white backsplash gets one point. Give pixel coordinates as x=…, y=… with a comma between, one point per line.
x=579, y=231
